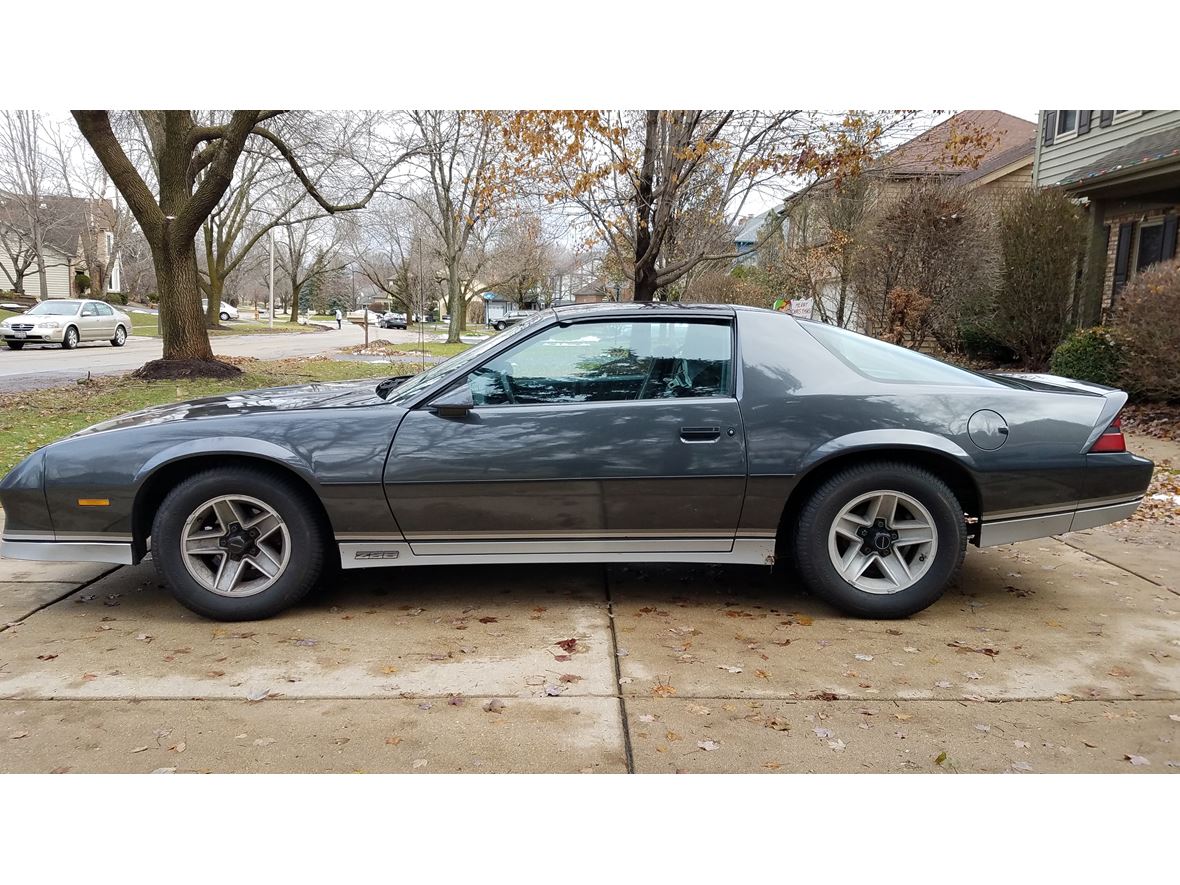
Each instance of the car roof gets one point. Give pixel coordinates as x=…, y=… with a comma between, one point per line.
x=657, y=308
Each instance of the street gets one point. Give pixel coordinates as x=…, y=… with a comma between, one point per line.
x=36, y=367
x=1057, y=655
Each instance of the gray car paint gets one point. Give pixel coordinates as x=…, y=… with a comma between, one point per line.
x=604, y=470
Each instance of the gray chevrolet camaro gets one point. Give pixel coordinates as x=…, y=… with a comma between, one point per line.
x=604, y=433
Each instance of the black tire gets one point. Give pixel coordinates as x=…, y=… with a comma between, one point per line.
x=821, y=510
x=15, y=345
x=120, y=336
x=69, y=339
x=224, y=317
x=500, y=327
x=285, y=497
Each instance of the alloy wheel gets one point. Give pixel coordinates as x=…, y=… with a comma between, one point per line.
x=883, y=541
x=235, y=545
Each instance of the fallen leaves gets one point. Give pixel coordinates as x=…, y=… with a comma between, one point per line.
x=495, y=705
x=419, y=763
x=698, y=710
x=17, y=735
x=392, y=741
x=568, y=645
x=729, y=669
x=709, y=746
x=570, y=677
x=140, y=749
x=1136, y=760
x=964, y=647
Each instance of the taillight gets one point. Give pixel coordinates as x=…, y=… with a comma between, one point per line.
x=1111, y=439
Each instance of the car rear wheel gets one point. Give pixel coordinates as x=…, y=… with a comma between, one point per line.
x=500, y=327
x=16, y=345
x=238, y=543
x=881, y=540
x=224, y=317
x=70, y=339
x=120, y=337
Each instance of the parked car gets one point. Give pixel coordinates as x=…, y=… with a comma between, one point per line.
x=228, y=311
x=510, y=319
x=67, y=321
x=654, y=433
x=392, y=321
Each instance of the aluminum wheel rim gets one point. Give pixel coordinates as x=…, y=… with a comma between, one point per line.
x=120, y=335
x=216, y=565
x=912, y=537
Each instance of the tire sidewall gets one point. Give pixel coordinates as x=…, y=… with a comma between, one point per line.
x=66, y=343
x=115, y=341
x=825, y=505
x=307, y=543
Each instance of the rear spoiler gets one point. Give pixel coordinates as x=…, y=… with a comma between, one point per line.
x=1114, y=399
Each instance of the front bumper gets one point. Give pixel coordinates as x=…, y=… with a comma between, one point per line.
x=43, y=336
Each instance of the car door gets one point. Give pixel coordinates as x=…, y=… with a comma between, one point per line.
x=598, y=435
x=89, y=322
x=106, y=321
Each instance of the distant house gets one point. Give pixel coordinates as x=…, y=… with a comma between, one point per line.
x=74, y=223
x=745, y=240
x=1125, y=165
x=1001, y=165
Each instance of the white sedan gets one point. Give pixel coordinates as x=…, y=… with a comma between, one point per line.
x=67, y=321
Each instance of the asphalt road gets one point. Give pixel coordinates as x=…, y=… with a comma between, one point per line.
x=37, y=367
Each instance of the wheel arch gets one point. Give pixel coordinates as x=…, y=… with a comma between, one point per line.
x=940, y=462
x=158, y=481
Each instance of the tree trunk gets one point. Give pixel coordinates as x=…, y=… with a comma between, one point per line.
x=455, y=300
x=42, y=278
x=213, y=289
x=645, y=264
x=181, y=322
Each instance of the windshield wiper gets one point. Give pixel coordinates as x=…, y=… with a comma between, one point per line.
x=386, y=387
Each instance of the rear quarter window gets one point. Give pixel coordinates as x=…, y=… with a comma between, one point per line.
x=886, y=362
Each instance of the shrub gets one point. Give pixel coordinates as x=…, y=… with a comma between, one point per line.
x=977, y=342
x=1094, y=355
x=1148, y=325
x=1041, y=235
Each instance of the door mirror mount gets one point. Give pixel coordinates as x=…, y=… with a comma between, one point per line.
x=455, y=403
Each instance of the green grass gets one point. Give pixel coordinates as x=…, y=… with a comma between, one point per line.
x=5, y=314
x=32, y=419
x=264, y=328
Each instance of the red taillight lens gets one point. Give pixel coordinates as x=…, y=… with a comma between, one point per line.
x=1111, y=439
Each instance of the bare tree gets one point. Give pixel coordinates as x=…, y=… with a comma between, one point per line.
x=462, y=159
x=308, y=251
x=628, y=173
x=25, y=177
x=193, y=166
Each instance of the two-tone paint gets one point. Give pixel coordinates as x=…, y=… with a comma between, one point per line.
x=711, y=479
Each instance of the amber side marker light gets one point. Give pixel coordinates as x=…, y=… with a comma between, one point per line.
x=94, y=502
x=1112, y=439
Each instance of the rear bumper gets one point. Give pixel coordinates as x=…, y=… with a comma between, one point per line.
x=1042, y=525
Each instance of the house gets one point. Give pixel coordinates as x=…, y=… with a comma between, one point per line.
x=1125, y=167
x=997, y=160
x=745, y=240
x=75, y=227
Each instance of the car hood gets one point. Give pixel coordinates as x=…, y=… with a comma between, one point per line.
x=335, y=395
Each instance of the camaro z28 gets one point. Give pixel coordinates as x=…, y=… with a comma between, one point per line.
x=593, y=433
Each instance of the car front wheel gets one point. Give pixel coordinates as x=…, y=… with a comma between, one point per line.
x=238, y=543
x=499, y=327
x=224, y=317
x=881, y=540
x=70, y=339
x=120, y=337
x=16, y=345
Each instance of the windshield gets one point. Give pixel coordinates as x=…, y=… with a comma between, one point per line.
x=54, y=309
x=419, y=383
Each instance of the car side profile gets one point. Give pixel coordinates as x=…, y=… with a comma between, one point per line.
x=509, y=319
x=66, y=322
x=593, y=433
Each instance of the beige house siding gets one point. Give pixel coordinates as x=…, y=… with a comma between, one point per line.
x=1069, y=154
x=58, y=276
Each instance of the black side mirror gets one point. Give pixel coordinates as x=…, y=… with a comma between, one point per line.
x=454, y=403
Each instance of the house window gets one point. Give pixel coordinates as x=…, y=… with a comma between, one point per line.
x=115, y=281
x=1123, y=115
x=110, y=243
x=1151, y=246
x=1067, y=123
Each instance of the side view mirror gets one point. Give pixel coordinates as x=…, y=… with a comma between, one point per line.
x=453, y=404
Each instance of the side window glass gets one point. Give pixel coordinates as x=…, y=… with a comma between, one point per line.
x=90, y=310
x=610, y=361
x=104, y=310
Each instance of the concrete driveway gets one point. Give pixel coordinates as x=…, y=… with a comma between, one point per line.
x=1045, y=658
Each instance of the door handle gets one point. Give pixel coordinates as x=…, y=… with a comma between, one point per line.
x=700, y=434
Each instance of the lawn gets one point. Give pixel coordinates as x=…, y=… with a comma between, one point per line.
x=264, y=328
x=32, y=419
x=385, y=347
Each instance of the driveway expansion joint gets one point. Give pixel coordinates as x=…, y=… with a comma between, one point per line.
x=64, y=596
x=628, y=753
